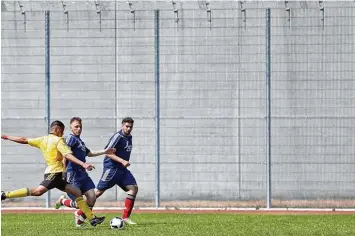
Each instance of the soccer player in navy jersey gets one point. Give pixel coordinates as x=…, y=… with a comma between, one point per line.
x=75, y=174
x=115, y=170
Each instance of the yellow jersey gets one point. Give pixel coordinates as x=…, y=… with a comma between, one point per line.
x=53, y=149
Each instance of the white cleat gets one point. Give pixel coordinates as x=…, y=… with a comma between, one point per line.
x=128, y=221
x=82, y=225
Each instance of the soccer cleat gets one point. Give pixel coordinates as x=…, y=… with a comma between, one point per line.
x=80, y=224
x=3, y=196
x=129, y=221
x=97, y=220
x=58, y=203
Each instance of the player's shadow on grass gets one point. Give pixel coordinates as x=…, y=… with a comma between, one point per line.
x=143, y=224
x=150, y=223
x=77, y=229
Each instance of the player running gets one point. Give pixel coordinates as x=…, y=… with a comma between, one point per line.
x=76, y=174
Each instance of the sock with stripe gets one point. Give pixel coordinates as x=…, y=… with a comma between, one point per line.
x=81, y=213
x=129, y=203
x=68, y=203
x=84, y=207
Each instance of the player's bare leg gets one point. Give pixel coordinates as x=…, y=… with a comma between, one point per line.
x=98, y=193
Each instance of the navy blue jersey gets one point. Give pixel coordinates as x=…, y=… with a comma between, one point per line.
x=123, y=145
x=79, y=150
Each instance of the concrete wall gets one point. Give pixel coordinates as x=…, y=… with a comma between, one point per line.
x=213, y=94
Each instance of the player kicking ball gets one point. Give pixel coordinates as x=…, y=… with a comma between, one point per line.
x=54, y=148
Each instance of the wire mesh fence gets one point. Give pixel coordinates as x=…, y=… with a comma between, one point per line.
x=213, y=130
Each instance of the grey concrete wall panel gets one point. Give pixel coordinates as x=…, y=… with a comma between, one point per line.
x=213, y=94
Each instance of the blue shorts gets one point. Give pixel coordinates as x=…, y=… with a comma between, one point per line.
x=81, y=180
x=111, y=177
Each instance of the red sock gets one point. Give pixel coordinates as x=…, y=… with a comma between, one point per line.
x=129, y=203
x=79, y=222
x=81, y=213
x=68, y=203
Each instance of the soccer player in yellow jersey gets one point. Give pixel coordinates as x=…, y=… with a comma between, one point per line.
x=53, y=148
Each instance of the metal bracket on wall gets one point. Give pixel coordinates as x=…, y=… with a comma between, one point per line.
x=66, y=13
x=98, y=11
x=288, y=9
x=176, y=12
x=321, y=8
x=24, y=15
x=133, y=11
x=244, y=13
x=209, y=14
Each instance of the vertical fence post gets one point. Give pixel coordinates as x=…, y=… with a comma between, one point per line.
x=268, y=113
x=117, y=123
x=47, y=83
x=157, y=108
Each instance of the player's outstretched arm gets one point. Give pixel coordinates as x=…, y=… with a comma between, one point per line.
x=119, y=160
x=17, y=139
x=102, y=152
x=75, y=160
x=64, y=149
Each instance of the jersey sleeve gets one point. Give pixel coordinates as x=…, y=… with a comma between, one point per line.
x=70, y=140
x=63, y=148
x=113, y=141
x=35, y=142
x=87, y=150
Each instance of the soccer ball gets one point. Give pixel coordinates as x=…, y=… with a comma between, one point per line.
x=116, y=223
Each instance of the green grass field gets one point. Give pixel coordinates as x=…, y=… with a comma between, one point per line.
x=172, y=224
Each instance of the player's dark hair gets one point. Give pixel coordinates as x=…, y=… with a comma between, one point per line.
x=75, y=119
x=57, y=123
x=128, y=120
